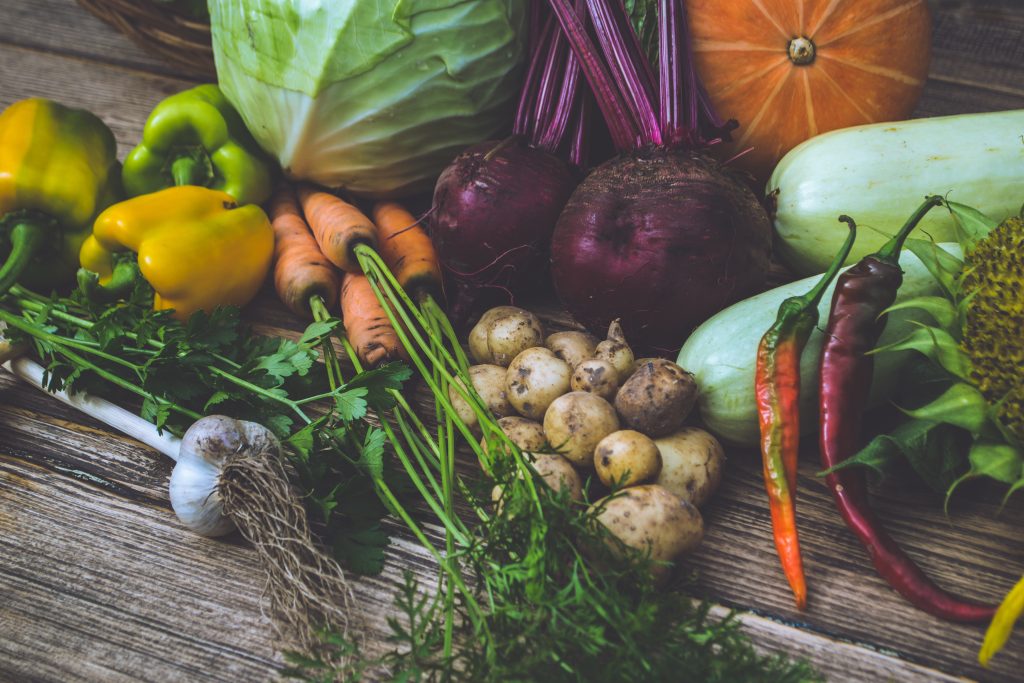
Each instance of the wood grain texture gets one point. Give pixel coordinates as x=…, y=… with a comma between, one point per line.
x=100, y=583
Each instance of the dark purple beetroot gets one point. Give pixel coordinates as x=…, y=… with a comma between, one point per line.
x=494, y=212
x=662, y=239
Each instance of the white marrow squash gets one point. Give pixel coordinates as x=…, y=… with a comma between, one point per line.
x=880, y=172
x=721, y=353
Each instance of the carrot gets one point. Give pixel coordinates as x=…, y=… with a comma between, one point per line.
x=406, y=249
x=367, y=323
x=301, y=271
x=338, y=227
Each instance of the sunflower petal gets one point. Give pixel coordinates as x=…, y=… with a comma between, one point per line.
x=1002, y=623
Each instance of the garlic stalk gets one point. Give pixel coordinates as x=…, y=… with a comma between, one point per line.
x=231, y=474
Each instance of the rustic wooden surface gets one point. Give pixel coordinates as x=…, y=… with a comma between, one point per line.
x=99, y=582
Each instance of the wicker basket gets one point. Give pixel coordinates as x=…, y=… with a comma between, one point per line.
x=158, y=28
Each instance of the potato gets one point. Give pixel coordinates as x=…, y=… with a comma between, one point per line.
x=652, y=519
x=555, y=471
x=691, y=466
x=616, y=351
x=657, y=399
x=489, y=382
x=534, y=379
x=503, y=333
x=478, y=335
x=572, y=347
x=558, y=474
x=626, y=458
x=526, y=434
x=576, y=422
x=597, y=377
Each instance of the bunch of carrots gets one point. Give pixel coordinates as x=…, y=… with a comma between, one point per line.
x=316, y=239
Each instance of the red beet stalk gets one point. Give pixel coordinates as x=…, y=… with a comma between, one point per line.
x=855, y=323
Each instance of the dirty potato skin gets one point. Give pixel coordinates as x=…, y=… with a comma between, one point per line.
x=692, y=461
x=576, y=422
x=657, y=399
x=534, y=379
x=489, y=382
x=503, y=333
x=616, y=351
x=597, y=377
x=526, y=434
x=626, y=458
x=478, y=335
x=559, y=474
x=651, y=519
x=573, y=347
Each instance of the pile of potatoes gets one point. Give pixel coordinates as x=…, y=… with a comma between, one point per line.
x=604, y=413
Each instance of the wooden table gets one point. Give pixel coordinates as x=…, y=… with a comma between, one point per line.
x=98, y=582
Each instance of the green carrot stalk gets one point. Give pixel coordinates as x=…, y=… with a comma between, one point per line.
x=777, y=386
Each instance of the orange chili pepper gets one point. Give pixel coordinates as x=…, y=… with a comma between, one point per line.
x=777, y=385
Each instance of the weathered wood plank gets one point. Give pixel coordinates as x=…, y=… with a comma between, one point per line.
x=63, y=27
x=105, y=612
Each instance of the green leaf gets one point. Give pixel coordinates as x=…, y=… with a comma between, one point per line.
x=280, y=425
x=936, y=344
x=962, y=405
x=318, y=330
x=935, y=452
x=943, y=266
x=351, y=404
x=939, y=308
x=362, y=550
x=302, y=441
x=998, y=461
x=643, y=15
x=379, y=382
x=373, y=453
x=217, y=397
x=289, y=359
x=972, y=225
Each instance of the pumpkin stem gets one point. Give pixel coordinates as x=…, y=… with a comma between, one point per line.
x=801, y=51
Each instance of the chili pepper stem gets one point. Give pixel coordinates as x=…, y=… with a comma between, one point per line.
x=890, y=252
x=27, y=238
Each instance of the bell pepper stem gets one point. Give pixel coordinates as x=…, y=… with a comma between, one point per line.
x=187, y=170
x=27, y=237
x=122, y=280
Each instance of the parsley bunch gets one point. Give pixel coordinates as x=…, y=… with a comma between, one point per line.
x=176, y=372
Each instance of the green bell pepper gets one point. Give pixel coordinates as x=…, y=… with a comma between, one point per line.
x=197, y=138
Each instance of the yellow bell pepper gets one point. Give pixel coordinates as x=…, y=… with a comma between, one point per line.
x=196, y=247
x=58, y=169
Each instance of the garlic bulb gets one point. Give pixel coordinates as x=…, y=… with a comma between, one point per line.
x=209, y=445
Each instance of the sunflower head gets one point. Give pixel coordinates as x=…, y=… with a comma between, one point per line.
x=993, y=335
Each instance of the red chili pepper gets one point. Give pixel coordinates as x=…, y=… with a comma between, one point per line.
x=862, y=293
x=777, y=387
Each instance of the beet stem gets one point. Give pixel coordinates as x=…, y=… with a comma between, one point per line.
x=618, y=113
x=622, y=51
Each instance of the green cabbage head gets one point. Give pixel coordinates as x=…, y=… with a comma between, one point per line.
x=373, y=96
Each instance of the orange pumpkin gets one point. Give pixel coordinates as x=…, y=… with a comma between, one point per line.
x=788, y=70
